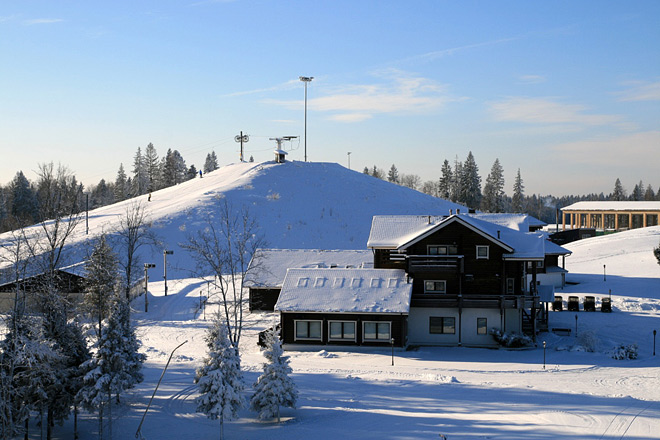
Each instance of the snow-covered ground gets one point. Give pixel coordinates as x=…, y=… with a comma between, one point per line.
x=461, y=393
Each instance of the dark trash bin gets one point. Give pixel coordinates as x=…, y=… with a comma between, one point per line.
x=589, y=304
x=606, y=305
x=558, y=304
x=573, y=304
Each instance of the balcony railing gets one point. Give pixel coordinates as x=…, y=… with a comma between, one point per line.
x=476, y=301
x=435, y=263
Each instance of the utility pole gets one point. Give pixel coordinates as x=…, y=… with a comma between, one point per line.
x=306, y=79
x=242, y=138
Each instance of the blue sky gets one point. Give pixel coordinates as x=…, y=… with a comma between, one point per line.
x=569, y=92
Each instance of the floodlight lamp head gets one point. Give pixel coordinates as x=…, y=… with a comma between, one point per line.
x=306, y=78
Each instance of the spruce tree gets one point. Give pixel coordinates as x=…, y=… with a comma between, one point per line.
x=140, y=175
x=153, y=168
x=219, y=378
x=191, y=173
x=518, y=194
x=121, y=184
x=456, y=193
x=493, y=196
x=101, y=277
x=619, y=193
x=470, y=183
x=211, y=162
x=274, y=388
x=393, y=174
x=445, y=181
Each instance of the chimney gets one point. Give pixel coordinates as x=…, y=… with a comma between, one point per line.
x=451, y=212
x=498, y=234
x=458, y=211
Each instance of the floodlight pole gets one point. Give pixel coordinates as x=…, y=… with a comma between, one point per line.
x=306, y=79
x=146, y=285
x=576, y=325
x=165, y=254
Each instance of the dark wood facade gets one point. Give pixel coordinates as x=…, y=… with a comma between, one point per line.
x=263, y=299
x=398, y=328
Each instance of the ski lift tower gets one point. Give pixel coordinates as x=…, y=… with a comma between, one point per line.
x=280, y=154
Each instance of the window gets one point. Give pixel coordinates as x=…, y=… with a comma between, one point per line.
x=482, y=252
x=482, y=326
x=442, y=325
x=342, y=330
x=510, y=285
x=377, y=331
x=435, y=286
x=443, y=250
x=308, y=330
x=539, y=265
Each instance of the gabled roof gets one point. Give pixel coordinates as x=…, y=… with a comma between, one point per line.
x=273, y=263
x=613, y=206
x=381, y=291
x=400, y=232
x=554, y=249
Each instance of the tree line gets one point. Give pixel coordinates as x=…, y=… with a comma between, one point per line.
x=24, y=202
x=461, y=182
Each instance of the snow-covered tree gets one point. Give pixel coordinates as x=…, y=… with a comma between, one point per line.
x=457, y=185
x=518, y=195
x=393, y=174
x=100, y=281
x=365, y=170
x=191, y=173
x=219, y=378
x=112, y=369
x=377, y=172
x=649, y=194
x=174, y=169
x=153, y=167
x=493, y=196
x=412, y=181
x=23, y=199
x=445, y=181
x=430, y=187
x=656, y=252
x=211, y=162
x=140, y=181
x=274, y=388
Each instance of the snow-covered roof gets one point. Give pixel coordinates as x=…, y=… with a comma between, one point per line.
x=613, y=206
x=518, y=222
x=273, y=263
x=554, y=249
x=399, y=232
x=345, y=291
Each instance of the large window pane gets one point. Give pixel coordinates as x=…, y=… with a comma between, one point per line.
x=302, y=329
x=449, y=326
x=335, y=330
x=315, y=329
x=384, y=330
x=379, y=331
x=369, y=330
x=349, y=330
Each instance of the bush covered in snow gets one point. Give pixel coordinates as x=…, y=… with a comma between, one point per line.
x=510, y=339
x=588, y=340
x=625, y=352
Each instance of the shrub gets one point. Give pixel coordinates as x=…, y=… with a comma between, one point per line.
x=625, y=352
x=588, y=340
x=510, y=339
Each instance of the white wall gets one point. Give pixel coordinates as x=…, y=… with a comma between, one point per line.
x=418, y=326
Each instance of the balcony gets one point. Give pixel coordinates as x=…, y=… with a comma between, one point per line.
x=476, y=301
x=435, y=263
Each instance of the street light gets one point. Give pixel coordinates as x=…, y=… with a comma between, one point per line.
x=604, y=274
x=654, y=333
x=392, y=342
x=544, y=355
x=349, y=160
x=146, y=285
x=306, y=79
x=576, y=325
x=165, y=254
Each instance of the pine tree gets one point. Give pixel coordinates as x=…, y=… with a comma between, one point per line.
x=365, y=170
x=131, y=373
x=393, y=174
x=219, y=378
x=619, y=193
x=274, y=388
x=649, y=194
x=121, y=184
x=445, y=181
x=493, y=197
x=376, y=172
x=101, y=276
x=518, y=194
x=140, y=175
x=24, y=201
x=211, y=162
x=251, y=158
x=456, y=193
x=470, y=183
x=191, y=173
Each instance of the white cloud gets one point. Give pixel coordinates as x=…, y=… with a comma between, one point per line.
x=546, y=111
x=636, y=150
x=532, y=79
x=42, y=21
x=641, y=91
x=288, y=85
x=398, y=92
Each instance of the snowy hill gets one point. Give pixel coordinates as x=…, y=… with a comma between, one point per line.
x=296, y=204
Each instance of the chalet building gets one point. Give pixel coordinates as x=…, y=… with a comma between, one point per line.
x=266, y=272
x=345, y=307
x=465, y=276
x=613, y=216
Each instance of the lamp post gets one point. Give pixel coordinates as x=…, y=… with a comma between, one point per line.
x=146, y=285
x=392, y=343
x=306, y=79
x=576, y=325
x=544, y=355
x=604, y=274
x=654, y=333
x=165, y=254
x=349, y=160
